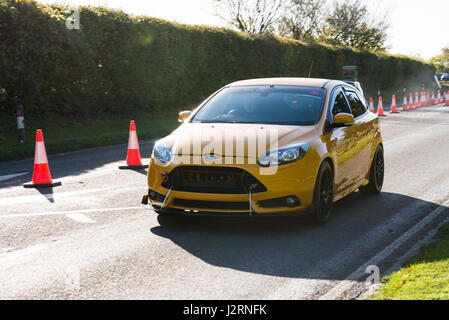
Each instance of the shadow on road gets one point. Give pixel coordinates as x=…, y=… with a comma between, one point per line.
x=47, y=193
x=72, y=163
x=141, y=171
x=294, y=246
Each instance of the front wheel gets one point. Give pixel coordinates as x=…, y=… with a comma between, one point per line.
x=376, y=174
x=323, y=196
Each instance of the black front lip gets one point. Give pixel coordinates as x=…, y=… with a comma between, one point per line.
x=146, y=200
x=225, y=214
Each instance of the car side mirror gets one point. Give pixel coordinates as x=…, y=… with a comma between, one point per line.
x=343, y=119
x=183, y=115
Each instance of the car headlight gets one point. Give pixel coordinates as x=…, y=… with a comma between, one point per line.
x=162, y=152
x=283, y=155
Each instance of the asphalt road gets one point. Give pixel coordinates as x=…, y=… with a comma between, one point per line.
x=89, y=238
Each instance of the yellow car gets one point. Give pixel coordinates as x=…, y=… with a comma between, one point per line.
x=269, y=146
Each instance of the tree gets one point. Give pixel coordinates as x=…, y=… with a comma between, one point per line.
x=302, y=19
x=441, y=61
x=251, y=16
x=351, y=24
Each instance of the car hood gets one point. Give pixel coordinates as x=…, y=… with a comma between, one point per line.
x=235, y=139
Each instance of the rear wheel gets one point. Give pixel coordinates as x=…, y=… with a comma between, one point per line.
x=323, y=196
x=376, y=175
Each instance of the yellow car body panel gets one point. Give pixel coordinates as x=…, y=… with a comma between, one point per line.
x=350, y=149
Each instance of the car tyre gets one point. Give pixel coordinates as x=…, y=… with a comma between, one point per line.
x=323, y=195
x=376, y=174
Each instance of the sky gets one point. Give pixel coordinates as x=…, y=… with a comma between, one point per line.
x=417, y=27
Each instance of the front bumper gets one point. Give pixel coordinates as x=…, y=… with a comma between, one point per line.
x=148, y=204
x=292, y=180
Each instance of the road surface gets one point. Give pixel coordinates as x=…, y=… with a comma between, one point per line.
x=89, y=238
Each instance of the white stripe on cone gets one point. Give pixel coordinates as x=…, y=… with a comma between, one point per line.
x=40, y=156
x=132, y=142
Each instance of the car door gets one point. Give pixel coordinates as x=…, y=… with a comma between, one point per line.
x=342, y=144
x=362, y=133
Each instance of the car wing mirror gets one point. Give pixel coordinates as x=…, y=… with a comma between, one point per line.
x=183, y=115
x=343, y=119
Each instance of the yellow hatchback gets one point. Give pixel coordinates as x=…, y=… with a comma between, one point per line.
x=268, y=147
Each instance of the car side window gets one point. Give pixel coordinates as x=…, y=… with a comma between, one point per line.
x=363, y=100
x=340, y=104
x=357, y=106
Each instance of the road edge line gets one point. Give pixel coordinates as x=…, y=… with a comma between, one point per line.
x=351, y=280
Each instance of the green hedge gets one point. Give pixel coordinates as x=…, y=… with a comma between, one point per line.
x=117, y=62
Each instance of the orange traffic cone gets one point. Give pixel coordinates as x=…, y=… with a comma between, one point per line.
x=410, y=102
x=432, y=99
x=416, y=100
x=133, y=160
x=421, y=102
x=394, y=108
x=41, y=172
x=380, y=108
x=446, y=103
x=438, y=97
x=371, y=105
x=404, y=103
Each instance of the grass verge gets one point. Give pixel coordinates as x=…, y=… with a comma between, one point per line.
x=425, y=277
x=62, y=134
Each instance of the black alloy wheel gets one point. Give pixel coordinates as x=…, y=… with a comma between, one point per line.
x=323, y=197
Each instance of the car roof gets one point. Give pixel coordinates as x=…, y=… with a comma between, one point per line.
x=306, y=82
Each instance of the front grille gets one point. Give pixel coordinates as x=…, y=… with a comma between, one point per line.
x=218, y=205
x=208, y=179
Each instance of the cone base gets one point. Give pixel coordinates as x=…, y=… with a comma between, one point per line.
x=42, y=185
x=143, y=166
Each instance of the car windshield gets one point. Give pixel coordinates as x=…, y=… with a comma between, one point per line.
x=287, y=105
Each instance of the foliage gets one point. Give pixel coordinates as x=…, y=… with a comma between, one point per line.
x=441, y=61
x=116, y=63
x=302, y=19
x=254, y=17
x=351, y=24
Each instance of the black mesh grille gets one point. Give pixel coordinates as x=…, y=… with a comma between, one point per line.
x=211, y=204
x=207, y=179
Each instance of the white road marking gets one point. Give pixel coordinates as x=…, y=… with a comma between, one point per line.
x=414, y=250
x=10, y=176
x=79, y=217
x=34, y=198
x=19, y=215
x=353, y=278
x=13, y=256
